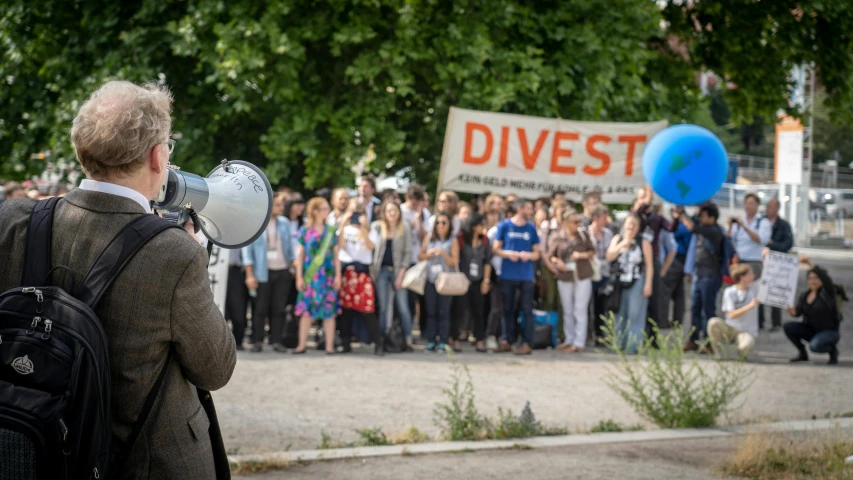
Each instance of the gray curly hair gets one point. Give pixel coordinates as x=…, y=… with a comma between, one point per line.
x=117, y=126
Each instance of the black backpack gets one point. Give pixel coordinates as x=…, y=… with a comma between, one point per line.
x=55, y=420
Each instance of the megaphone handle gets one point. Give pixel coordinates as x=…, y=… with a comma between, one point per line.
x=196, y=221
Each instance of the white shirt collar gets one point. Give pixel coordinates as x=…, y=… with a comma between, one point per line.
x=118, y=190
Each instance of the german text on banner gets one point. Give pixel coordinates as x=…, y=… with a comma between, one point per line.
x=533, y=156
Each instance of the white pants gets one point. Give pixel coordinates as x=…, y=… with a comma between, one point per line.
x=575, y=299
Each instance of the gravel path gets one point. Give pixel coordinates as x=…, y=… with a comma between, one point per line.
x=276, y=402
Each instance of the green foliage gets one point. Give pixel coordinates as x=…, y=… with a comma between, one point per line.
x=662, y=386
x=372, y=437
x=755, y=44
x=610, y=426
x=304, y=88
x=525, y=425
x=459, y=419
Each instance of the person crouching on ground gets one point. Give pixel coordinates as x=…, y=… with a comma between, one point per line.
x=821, y=317
x=740, y=304
x=318, y=275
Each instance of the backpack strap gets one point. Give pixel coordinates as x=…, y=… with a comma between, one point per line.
x=39, y=235
x=118, y=253
x=107, y=267
x=120, y=458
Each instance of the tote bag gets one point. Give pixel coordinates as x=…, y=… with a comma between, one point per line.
x=415, y=278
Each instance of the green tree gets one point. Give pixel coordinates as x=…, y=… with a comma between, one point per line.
x=303, y=88
x=755, y=44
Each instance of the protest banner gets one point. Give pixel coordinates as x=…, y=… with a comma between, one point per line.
x=533, y=156
x=778, y=284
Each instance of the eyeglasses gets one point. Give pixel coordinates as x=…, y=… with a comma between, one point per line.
x=171, y=144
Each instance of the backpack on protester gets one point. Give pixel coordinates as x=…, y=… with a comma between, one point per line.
x=727, y=256
x=55, y=419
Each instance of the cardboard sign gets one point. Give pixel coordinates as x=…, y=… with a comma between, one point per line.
x=778, y=284
x=533, y=156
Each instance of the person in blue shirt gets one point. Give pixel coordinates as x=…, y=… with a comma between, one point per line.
x=268, y=260
x=673, y=274
x=518, y=244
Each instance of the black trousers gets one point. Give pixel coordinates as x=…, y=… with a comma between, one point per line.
x=345, y=325
x=236, y=302
x=673, y=290
x=776, y=316
x=474, y=302
x=270, y=304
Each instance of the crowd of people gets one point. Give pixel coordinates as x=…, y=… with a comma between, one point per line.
x=351, y=263
x=343, y=261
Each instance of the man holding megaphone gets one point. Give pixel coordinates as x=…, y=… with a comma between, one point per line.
x=166, y=337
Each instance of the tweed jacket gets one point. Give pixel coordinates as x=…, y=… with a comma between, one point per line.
x=162, y=300
x=402, y=253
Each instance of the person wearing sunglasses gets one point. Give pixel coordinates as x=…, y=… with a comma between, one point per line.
x=442, y=253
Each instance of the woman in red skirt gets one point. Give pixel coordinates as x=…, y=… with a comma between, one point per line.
x=357, y=290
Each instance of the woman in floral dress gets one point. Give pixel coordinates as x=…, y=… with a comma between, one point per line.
x=318, y=296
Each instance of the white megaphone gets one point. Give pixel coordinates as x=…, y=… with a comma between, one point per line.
x=232, y=205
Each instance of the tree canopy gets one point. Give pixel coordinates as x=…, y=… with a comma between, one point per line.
x=303, y=88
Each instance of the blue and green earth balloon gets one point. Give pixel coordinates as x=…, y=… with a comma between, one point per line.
x=685, y=164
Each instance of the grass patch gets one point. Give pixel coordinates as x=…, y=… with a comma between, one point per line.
x=409, y=437
x=830, y=415
x=610, y=426
x=458, y=417
x=260, y=467
x=373, y=437
x=666, y=388
x=766, y=456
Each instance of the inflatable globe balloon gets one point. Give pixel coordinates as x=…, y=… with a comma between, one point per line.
x=685, y=164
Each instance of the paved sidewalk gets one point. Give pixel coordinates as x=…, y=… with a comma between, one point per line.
x=670, y=459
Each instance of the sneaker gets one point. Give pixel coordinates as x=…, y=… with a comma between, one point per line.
x=524, y=349
x=443, y=347
x=691, y=347
x=257, y=348
x=280, y=349
x=504, y=347
x=430, y=347
x=240, y=347
x=491, y=344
